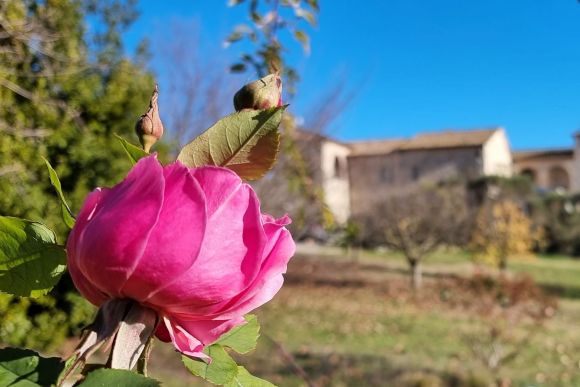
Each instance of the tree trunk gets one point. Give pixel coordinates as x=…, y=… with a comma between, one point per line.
x=503, y=263
x=416, y=274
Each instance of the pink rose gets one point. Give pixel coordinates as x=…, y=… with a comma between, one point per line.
x=190, y=244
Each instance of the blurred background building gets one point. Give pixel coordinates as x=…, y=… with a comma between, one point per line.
x=355, y=175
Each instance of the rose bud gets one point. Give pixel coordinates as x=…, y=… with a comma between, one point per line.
x=261, y=94
x=188, y=243
x=149, y=127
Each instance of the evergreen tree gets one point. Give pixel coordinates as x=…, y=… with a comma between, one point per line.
x=64, y=93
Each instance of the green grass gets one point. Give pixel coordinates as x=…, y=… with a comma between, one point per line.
x=367, y=328
x=361, y=332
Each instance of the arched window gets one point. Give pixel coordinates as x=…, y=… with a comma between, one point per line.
x=529, y=172
x=559, y=178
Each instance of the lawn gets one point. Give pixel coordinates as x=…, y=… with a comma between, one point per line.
x=345, y=322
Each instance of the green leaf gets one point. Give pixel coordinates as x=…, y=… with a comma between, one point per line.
x=313, y=4
x=106, y=377
x=303, y=39
x=221, y=370
x=26, y=368
x=31, y=262
x=246, y=142
x=238, y=68
x=246, y=379
x=67, y=214
x=243, y=338
x=133, y=151
x=306, y=15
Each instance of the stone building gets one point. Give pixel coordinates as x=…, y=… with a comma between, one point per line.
x=549, y=169
x=356, y=175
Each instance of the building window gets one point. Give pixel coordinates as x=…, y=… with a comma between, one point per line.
x=386, y=175
x=529, y=173
x=415, y=173
x=339, y=170
x=559, y=178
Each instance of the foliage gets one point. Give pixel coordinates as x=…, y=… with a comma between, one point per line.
x=559, y=216
x=223, y=370
x=266, y=19
x=63, y=98
x=110, y=377
x=246, y=142
x=419, y=221
x=242, y=339
x=67, y=215
x=70, y=94
x=293, y=182
x=515, y=187
x=31, y=262
x=294, y=186
x=133, y=152
x=45, y=322
x=25, y=368
x=503, y=230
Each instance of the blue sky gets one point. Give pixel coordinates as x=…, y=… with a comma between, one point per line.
x=420, y=65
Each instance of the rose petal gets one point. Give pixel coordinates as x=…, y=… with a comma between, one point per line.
x=175, y=240
x=231, y=253
x=208, y=331
x=270, y=279
x=183, y=341
x=82, y=283
x=115, y=238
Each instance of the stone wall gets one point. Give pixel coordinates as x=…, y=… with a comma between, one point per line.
x=374, y=177
x=335, y=183
x=549, y=172
x=497, y=156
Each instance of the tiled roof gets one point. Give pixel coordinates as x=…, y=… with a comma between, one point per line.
x=435, y=140
x=374, y=147
x=542, y=154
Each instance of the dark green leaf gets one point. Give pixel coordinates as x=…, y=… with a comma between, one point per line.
x=31, y=262
x=234, y=37
x=105, y=377
x=313, y=4
x=133, y=151
x=246, y=379
x=68, y=368
x=221, y=370
x=238, y=68
x=244, y=338
x=26, y=368
x=247, y=142
x=67, y=214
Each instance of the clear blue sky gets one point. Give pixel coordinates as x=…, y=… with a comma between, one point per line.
x=423, y=65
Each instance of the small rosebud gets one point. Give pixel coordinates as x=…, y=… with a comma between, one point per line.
x=149, y=127
x=261, y=94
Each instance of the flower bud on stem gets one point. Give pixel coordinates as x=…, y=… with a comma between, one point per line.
x=264, y=93
x=149, y=127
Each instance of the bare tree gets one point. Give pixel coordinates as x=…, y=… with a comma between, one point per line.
x=197, y=85
x=418, y=221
